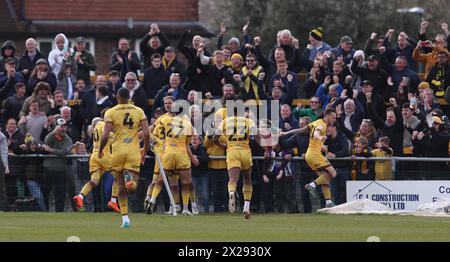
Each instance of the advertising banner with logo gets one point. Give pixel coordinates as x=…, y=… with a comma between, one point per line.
x=399, y=195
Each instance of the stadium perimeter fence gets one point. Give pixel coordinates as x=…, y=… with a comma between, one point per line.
x=28, y=176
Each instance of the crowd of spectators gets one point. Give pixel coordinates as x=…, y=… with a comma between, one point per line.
x=383, y=108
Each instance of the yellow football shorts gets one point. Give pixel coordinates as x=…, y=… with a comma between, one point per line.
x=176, y=161
x=239, y=158
x=316, y=161
x=95, y=164
x=130, y=162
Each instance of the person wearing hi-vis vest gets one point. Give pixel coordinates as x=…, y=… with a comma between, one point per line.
x=249, y=76
x=439, y=75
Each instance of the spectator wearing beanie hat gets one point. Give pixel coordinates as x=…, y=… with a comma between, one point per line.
x=317, y=44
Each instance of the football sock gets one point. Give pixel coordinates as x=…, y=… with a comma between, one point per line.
x=328, y=201
x=312, y=184
x=326, y=191
x=193, y=194
x=185, y=192
x=247, y=205
x=123, y=203
x=125, y=218
x=156, y=190
x=86, y=189
x=247, y=190
x=323, y=179
x=115, y=190
x=232, y=186
x=176, y=194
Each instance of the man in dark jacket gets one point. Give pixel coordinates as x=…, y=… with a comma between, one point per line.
x=124, y=59
x=433, y=143
x=174, y=88
x=88, y=105
x=217, y=75
x=155, y=77
x=171, y=63
x=287, y=121
x=350, y=113
x=113, y=85
x=292, y=54
x=8, y=50
x=393, y=126
x=338, y=145
x=85, y=61
x=154, y=42
x=196, y=76
x=28, y=61
x=9, y=78
x=301, y=141
x=405, y=47
x=345, y=49
x=372, y=72
x=13, y=104
x=399, y=72
x=199, y=174
x=103, y=100
x=376, y=99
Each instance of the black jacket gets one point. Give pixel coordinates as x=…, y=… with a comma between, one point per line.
x=132, y=65
x=378, y=77
x=26, y=63
x=182, y=94
x=301, y=141
x=50, y=79
x=7, y=84
x=88, y=106
x=436, y=143
x=112, y=90
x=196, y=80
x=395, y=132
x=176, y=67
x=214, y=76
x=147, y=51
x=202, y=157
x=377, y=102
x=139, y=99
x=341, y=147
x=84, y=70
x=154, y=80
x=108, y=103
x=12, y=108
x=292, y=57
x=17, y=139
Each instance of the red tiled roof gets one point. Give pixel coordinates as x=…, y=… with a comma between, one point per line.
x=154, y=10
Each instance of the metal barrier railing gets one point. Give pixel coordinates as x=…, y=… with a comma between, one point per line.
x=266, y=196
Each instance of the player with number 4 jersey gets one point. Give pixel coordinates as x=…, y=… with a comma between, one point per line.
x=124, y=121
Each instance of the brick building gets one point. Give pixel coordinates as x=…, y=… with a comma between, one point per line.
x=100, y=22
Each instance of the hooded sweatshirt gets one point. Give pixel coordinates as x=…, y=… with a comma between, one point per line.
x=58, y=54
x=7, y=43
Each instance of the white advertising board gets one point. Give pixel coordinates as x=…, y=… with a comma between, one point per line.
x=399, y=195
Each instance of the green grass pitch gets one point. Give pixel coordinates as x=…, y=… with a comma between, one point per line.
x=221, y=227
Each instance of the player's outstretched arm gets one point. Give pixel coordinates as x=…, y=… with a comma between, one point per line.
x=302, y=130
x=106, y=131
